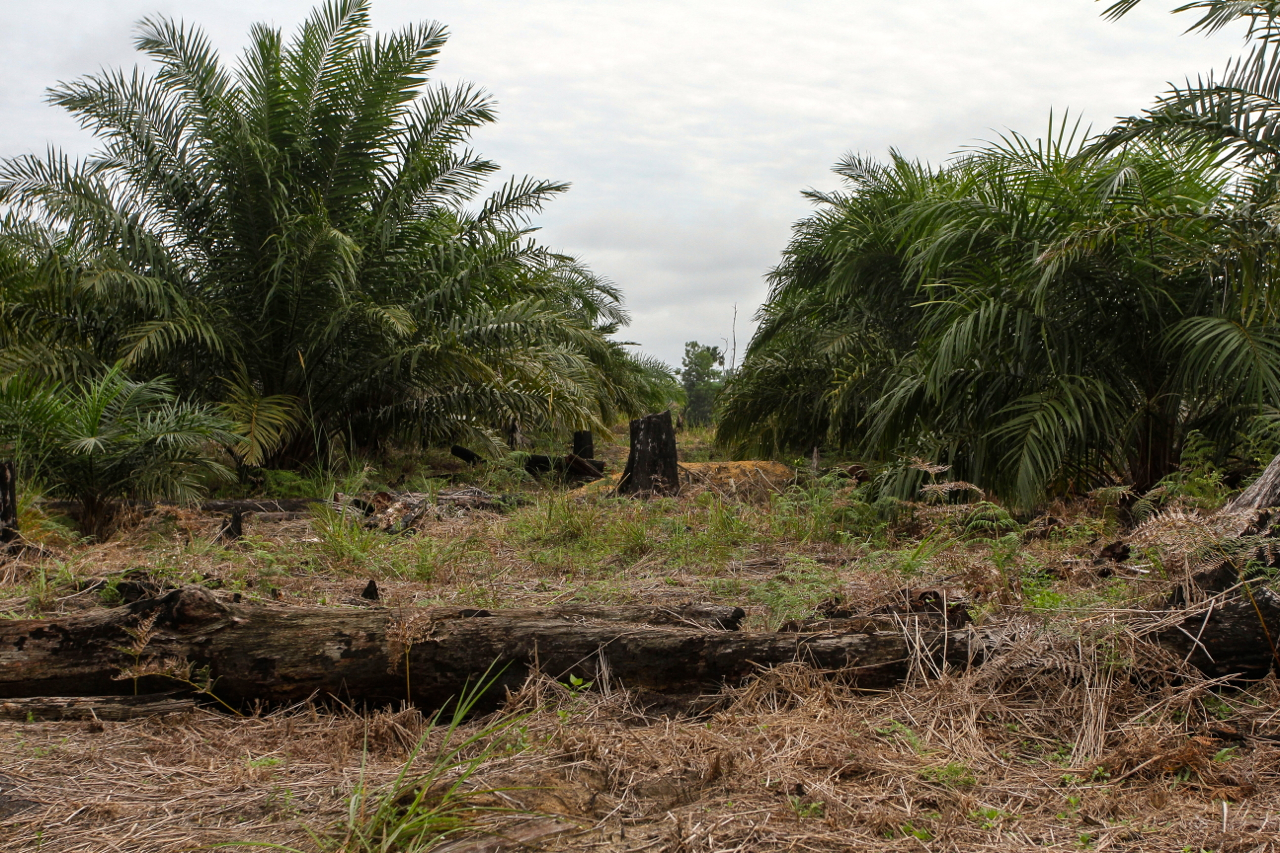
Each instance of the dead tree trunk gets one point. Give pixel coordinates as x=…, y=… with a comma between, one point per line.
x=652, y=468
x=243, y=653
x=1265, y=491
x=8, y=505
x=287, y=654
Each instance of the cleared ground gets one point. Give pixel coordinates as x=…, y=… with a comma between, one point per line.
x=1081, y=736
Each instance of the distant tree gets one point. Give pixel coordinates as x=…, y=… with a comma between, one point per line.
x=702, y=377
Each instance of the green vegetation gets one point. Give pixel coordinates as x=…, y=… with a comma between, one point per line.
x=1043, y=316
x=298, y=239
x=702, y=376
x=109, y=437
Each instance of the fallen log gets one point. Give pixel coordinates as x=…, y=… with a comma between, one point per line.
x=468, y=456
x=244, y=653
x=94, y=707
x=1235, y=637
x=247, y=653
x=718, y=617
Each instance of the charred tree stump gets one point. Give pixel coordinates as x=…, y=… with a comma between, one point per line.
x=234, y=528
x=584, y=446
x=652, y=468
x=9, y=534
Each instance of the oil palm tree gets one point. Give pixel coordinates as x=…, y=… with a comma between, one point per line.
x=1019, y=315
x=302, y=233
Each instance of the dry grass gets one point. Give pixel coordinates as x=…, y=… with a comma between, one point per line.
x=1079, y=735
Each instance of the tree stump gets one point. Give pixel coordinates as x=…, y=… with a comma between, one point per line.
x=651, y=465
x=584, y=446
x=8, y=504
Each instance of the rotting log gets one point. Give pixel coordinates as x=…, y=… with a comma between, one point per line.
x=279, y=654
x=95, y=707
x=247, y=653
x=1236, y=637
x=652, y=466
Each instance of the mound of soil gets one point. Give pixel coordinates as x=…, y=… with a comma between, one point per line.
x=731, y=479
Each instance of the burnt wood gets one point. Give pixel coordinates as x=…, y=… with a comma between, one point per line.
x=8, y=504
x=468, y=456
x=278, y=654
x=584, y=445
x=652, y=468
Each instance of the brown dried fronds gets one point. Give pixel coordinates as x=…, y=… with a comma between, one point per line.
x=142, y=633
x=939, y=491
x=928, y=467
x=405, y=630
x=1180, y=532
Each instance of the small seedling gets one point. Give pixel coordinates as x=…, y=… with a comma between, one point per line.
x=803, y=810
x=578, y=684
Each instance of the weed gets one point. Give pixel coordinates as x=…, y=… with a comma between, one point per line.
x=795, y=593
x=110, y=595
x=951, y=775
x=895, y=729
x=915, y=561
x=988, y=818
x=264, y=761
x=342, y=536
x=920, y=833
x=806, y=810
x=578, y=684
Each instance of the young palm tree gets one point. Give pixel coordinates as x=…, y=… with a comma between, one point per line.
x=109, y=438
x=298, y=229
x=1018, y=316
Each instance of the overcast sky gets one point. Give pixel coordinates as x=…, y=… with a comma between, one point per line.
x=689, y=127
